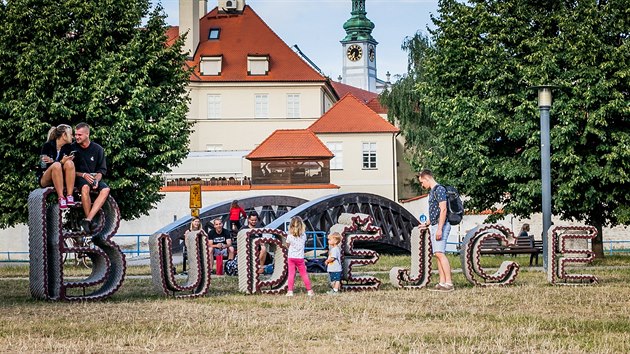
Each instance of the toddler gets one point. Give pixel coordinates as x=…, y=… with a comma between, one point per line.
x=334, y=262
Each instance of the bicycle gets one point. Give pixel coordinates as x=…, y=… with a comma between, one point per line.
x=80, y=258
x=76, y=238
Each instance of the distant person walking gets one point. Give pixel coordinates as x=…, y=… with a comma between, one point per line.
x=439, y=228
x=57, y=165
x=296, y=239
x=236, y=213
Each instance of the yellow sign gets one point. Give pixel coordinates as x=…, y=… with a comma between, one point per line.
x=195, y=196
x=194, y=212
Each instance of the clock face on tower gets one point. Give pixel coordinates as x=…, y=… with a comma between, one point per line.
x=354, y=52
x=371, y=53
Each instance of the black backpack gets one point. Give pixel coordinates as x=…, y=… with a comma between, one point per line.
x=231, y=266
x=454, y=206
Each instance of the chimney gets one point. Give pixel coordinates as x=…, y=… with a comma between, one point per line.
x=189, y=22
x=203, y=8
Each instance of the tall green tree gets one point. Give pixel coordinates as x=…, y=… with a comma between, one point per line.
x=71, y=61
x=472, y=80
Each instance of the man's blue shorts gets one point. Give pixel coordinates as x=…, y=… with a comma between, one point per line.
x=218, y=251
x=334, y=276
x=440, y=246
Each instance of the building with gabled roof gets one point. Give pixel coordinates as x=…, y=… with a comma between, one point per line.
x=246, y=83
x=286, y=144
x=291, y=156
x=361, y=144
x=350, y=115
x=364, y=145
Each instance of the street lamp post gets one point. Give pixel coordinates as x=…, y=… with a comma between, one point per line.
x=544, y=105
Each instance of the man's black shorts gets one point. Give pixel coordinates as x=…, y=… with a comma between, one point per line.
x=80, y=182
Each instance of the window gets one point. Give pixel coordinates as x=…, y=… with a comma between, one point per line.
x=214, y=106
x=211, y=66
x=257, y=64
x=214, y=147
x=369, y=156
x=293, y=105
x=262, y=105
x=214, y=33
x=336, y=147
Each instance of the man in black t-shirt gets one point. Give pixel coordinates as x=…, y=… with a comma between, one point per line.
x=90, y=168
x=220, y=240
x=264, y=258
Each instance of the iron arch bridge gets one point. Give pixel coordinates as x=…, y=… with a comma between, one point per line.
x=269, y=208
x=320, y=214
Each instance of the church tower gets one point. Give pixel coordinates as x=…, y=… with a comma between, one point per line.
x=359, y=50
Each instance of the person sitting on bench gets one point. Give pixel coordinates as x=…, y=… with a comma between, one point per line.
x=220, y=240
x=265, y=258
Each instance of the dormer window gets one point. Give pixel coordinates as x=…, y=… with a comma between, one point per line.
x=211, y=66
x=214, y=33
x=257, y=64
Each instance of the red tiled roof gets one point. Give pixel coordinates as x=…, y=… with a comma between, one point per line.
x=171, y=35
x=290, y=144
x=350, y=115
x=343, y=89
x=242, y=35
x=369, y=98
x=376, y=106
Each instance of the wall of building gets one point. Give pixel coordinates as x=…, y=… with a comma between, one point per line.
x=353, y=178
x=239, y=134
x=405, y=173
x=237, y=129
x=237, y=100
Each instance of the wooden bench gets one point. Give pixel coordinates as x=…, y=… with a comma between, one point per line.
x=524, y=245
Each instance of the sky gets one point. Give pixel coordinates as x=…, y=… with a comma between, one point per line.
x=316, y=26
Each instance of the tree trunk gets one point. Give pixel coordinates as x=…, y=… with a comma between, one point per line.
x=598, y=242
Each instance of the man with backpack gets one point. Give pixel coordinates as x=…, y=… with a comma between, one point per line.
x=439, y=227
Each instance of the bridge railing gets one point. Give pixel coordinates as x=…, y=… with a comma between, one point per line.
x=315, y=241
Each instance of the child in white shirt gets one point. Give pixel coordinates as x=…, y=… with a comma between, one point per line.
x=296, y=238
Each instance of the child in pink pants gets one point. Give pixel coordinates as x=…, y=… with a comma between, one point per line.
x=296, y=239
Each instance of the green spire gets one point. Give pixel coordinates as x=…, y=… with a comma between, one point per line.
x=358, y=27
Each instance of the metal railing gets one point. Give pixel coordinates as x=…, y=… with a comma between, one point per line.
x=318, y=242
x=6, y=256
x=137, y=251
x=611, y=250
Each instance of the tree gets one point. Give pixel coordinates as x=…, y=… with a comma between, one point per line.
x=68, y=61
x=475, y=94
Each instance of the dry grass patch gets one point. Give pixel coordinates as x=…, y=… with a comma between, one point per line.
x=530, y=316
